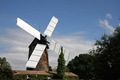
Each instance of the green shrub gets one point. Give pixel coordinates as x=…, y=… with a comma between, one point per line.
x=20, y=77
x=31, y=77
x=71, y=78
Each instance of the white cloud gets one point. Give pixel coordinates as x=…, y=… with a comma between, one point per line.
x=75, y=43
x=109, y=16
x=105, y=24
x=16, y=43
x=119, y=24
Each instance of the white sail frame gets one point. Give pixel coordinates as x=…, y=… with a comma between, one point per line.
x=35, y=56
x=56, y=47
x=51, y=26
x=25, y=26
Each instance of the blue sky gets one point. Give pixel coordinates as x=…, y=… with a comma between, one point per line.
x=81, y=22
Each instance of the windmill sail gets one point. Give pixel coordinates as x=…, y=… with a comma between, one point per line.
x=56, y=47
x=25, y=26
x=66, y=54
x=36, y=55
x=51, y=26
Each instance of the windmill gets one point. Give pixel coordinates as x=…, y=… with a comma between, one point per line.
x=38, y=49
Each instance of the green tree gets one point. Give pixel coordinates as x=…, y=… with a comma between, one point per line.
x=5, y=69
x=82, y=66
x=61, y=65
x=107, y=57
x=101, y=66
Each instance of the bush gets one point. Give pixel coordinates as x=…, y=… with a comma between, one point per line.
x=20, y=77
x=30, y=77
x=71, y=78
x=5, y=70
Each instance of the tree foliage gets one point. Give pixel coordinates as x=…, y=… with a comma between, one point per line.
x=105, y=60
x=107, y=57
x=82, y=66
x=5, y=69
x=61, y=65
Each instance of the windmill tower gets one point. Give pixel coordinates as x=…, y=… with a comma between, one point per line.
x=43, y=62
x=38, y=49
